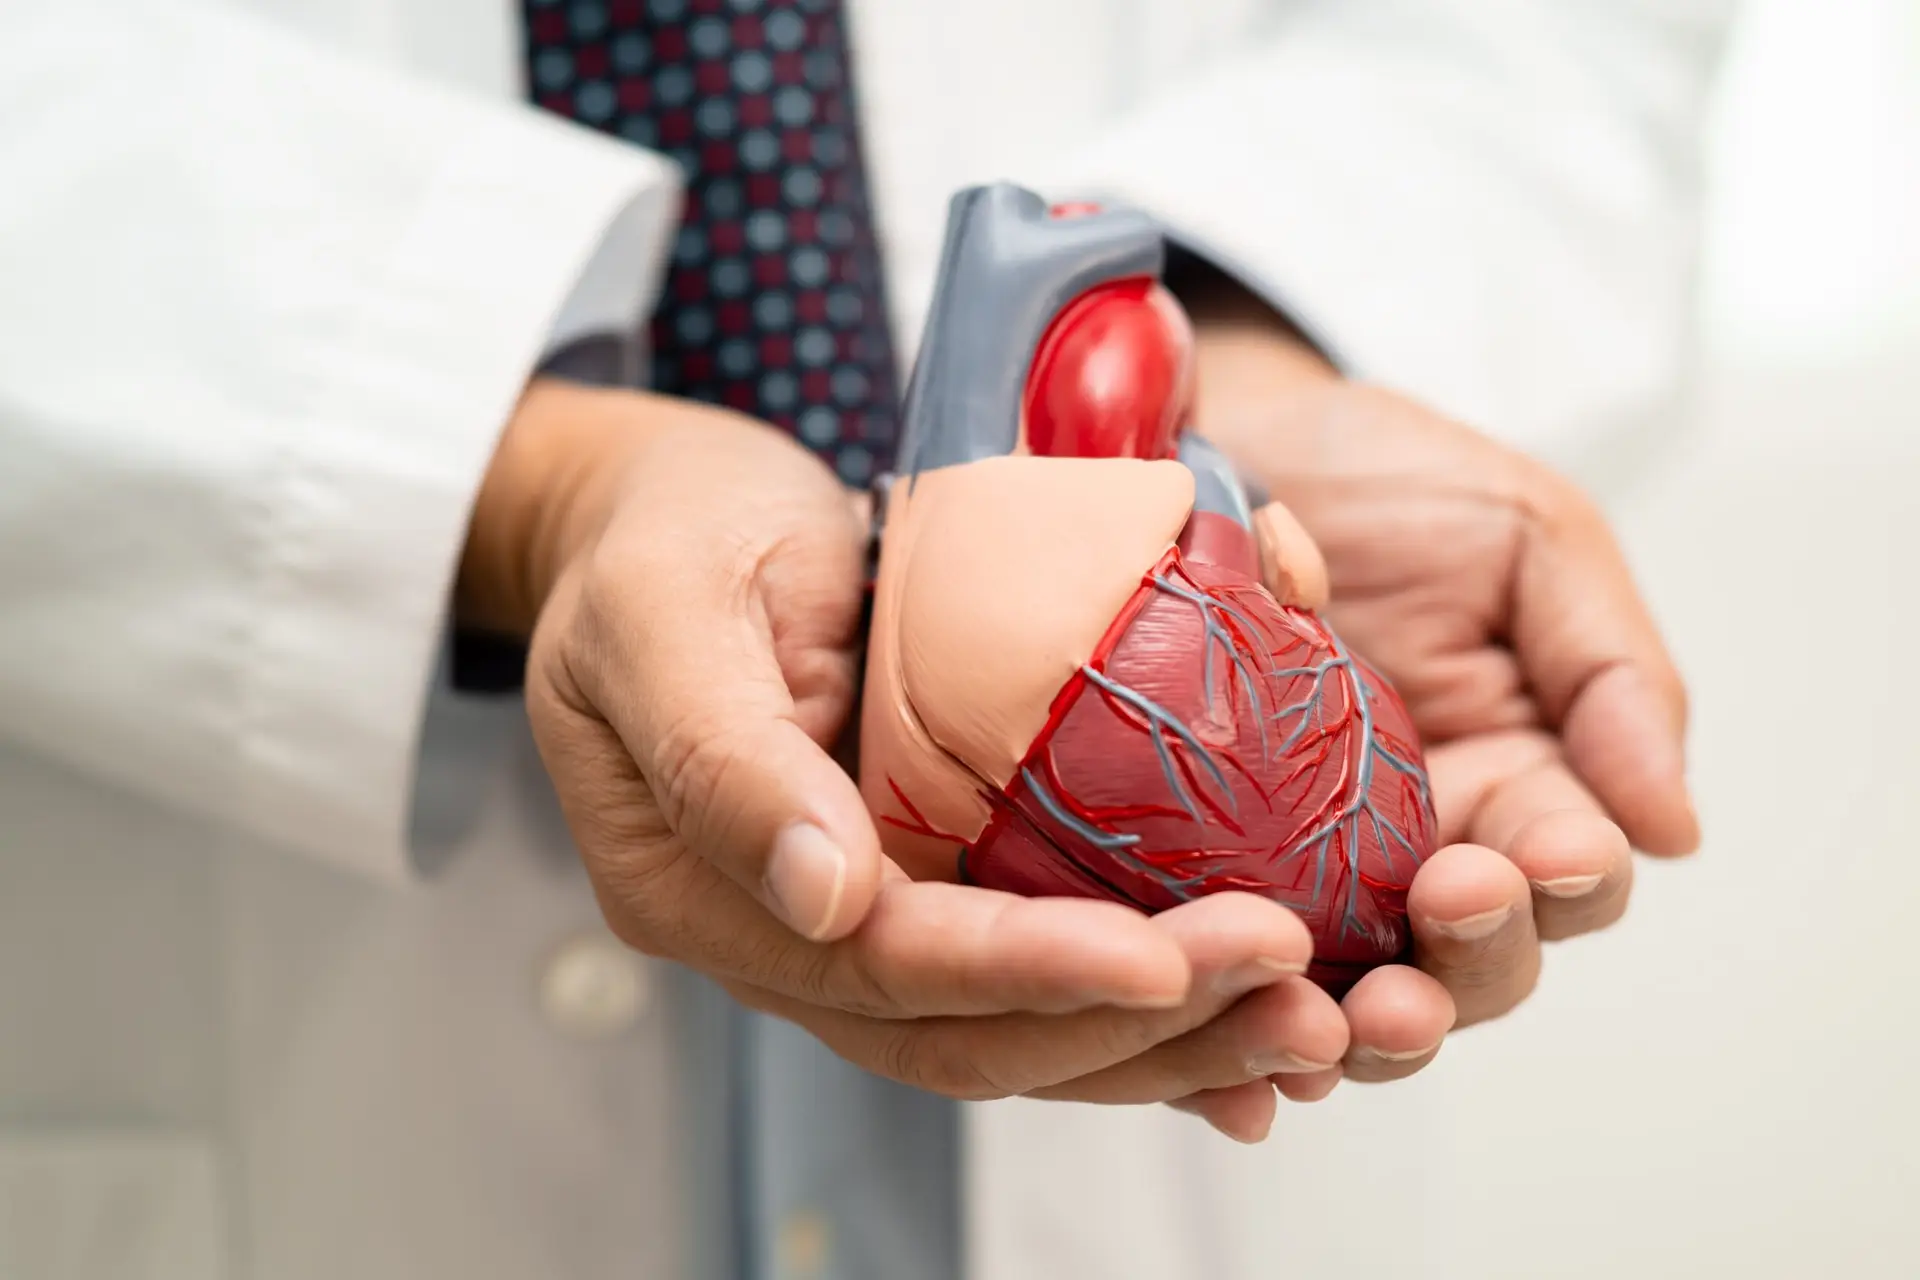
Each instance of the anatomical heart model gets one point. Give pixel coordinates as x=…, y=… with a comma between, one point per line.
x=1080, y=680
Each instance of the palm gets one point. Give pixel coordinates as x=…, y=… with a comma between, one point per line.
x=1489, y=591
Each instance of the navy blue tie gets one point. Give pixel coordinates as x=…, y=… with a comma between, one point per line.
x=773, y=303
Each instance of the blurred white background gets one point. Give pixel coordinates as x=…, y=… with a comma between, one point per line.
x=1724, y=1086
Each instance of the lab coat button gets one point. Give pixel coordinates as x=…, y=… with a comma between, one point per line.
x=594, y=988
x=805, y=1246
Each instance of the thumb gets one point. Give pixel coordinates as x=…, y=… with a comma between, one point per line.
x=1290, y=560
x=685, y=671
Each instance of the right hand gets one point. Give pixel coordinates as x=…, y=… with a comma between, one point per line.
x=697, y=583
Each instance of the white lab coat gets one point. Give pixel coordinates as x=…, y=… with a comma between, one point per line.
x=276, y=1004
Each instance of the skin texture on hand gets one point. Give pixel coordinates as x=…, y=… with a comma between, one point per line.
x=1491, y=592
x=693, y=583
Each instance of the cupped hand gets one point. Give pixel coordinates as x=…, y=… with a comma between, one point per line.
x=697, y=581
x=1492, y=593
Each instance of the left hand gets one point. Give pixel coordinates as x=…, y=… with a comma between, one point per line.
x=1492, y=593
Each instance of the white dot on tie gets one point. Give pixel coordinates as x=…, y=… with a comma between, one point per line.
x=810, y=267
x=731, y=277
x=820, y=426
x=814, y=346
x=793, y=106
x=553, y=68
x=674, y=85
x=779, y=389
x=709, y=37
x=594, y=100
x=855, y=465
x=752, y=72
x=766, y=230
x=695, y=325
x=801, y=186
x=759, y=149
x=849, y=385
x=737, y=357
x=773, y=310
x=786, y=30
x=630, y=52
x=715, y=117
x=589, y=18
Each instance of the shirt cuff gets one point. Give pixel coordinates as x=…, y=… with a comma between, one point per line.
x=354, y=607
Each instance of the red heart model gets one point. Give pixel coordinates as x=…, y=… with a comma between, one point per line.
x=1081, y=679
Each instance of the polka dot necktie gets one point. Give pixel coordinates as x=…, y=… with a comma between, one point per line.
x=773, y=303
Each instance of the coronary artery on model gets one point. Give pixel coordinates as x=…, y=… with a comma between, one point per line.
x=1082, y=677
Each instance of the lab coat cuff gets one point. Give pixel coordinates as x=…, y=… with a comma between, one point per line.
x=453, y=322
x=1183, y=243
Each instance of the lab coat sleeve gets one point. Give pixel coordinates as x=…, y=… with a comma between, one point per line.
x=263, y=311
x=1490, y=204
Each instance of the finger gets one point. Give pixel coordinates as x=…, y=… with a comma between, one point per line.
x=1594, y=658
x=1513, y=793
x=1291, y=1027
x=1244, y=1112
x=1397, y=1017
x=677, y=653
x=925, y=948
x=1313, y=1087
x=1557, y=852
x=933, y=949
x=1233, y=942
x=1472, y=914
x=1295, y=570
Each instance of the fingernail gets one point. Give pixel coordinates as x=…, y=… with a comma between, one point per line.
x=1569, y=886
x=1473, y=928
x=806, y=878
x=1262, y=971
x=1251, y=1135
x=1284, y=1064
x=1368, y=1053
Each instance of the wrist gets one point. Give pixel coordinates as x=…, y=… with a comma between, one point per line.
x=550, y=486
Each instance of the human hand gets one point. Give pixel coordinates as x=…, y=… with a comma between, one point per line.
x=1492, y=593
x=697, y=584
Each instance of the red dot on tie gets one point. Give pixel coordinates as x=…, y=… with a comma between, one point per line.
x=676, y=127
x=590, y=60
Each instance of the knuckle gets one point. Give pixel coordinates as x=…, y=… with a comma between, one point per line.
x=834, y=977
x=693, y=760
x=930, y=1059
x=642, y=895
x=1122, y=1037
